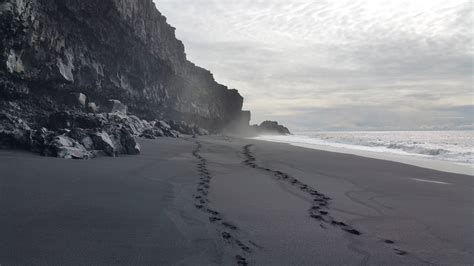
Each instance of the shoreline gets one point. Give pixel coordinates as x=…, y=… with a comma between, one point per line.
x=218, y=200
x=414, y=160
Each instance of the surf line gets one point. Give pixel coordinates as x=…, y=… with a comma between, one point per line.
x=430, y=181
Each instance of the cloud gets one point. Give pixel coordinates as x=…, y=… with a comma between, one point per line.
x=339, y=63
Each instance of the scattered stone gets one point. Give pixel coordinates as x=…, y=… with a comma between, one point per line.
x=162, y=124
x=102, y=141
x=79, y=135
x=116, y=106
x=132, y=123
x=124, y=142
x=152, y=133
x=92, y=107
x=76, y=99
x=82, y=136
x=67, y=148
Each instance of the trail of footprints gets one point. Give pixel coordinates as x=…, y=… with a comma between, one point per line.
x=319, y=209
x=228, y=231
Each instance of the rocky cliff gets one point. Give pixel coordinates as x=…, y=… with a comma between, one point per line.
x=104, y=49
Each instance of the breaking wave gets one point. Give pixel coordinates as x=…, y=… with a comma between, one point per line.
x=454, y=146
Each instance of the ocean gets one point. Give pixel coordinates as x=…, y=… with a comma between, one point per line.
x=449, y=146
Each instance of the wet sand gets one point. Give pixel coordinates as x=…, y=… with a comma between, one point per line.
x=226, y=201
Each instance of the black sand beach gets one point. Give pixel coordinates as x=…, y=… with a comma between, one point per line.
x=223, y=201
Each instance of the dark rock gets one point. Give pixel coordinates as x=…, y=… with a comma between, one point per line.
x=147, y=135
x=171, y=133
x=78, y=135
x=182, y=127
x=66, y=147
x=272, y=127
x=152, y=133
x=14, y=132
x=188, y=129
x=68, y=120
x=102, y=141
x=123, y=140
x=116, y=106
x=82, y=136
x=76, y=99
x=166, y=128
x=132, y=123
x=163, y=125
x=10, y=90
x=40, y=139
x=92, y=108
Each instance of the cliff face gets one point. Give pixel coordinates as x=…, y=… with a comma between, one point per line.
x=107, y=49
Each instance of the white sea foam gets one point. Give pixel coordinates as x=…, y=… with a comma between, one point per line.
x=451, y=146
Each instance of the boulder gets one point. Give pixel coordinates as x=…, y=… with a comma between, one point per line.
x=76, y=99
x=65, y=147
x=129, y=144
x=123, y=140
x=116, y=106
x=132, y=123
x=162, y=124
x=95, y=140
x=102, y=141
x=92, y=107
x=166, y=128
x=272, y=127
x=79, y=135
x=82, y=136
x=182, y=127
x=152, y=133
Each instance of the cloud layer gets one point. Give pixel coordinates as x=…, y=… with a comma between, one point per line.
x=328, y=65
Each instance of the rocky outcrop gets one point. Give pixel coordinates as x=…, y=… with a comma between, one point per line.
x=78, y=55
x=68, y=148
x=271, y=127
x=78, y=135
x=14, y=132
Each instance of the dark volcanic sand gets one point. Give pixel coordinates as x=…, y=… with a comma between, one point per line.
x=219, y=200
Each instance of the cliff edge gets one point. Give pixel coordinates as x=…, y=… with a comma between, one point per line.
x=101, y=50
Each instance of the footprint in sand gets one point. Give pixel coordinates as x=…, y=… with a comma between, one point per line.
x=400, y=252
x=201, y=203
x=319, y=211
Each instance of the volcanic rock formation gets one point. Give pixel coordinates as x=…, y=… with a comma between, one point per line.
x=55, y=51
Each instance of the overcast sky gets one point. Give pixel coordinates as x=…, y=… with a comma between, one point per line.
x=333, y=64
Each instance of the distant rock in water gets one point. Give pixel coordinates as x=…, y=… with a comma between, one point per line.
x=271, y=127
